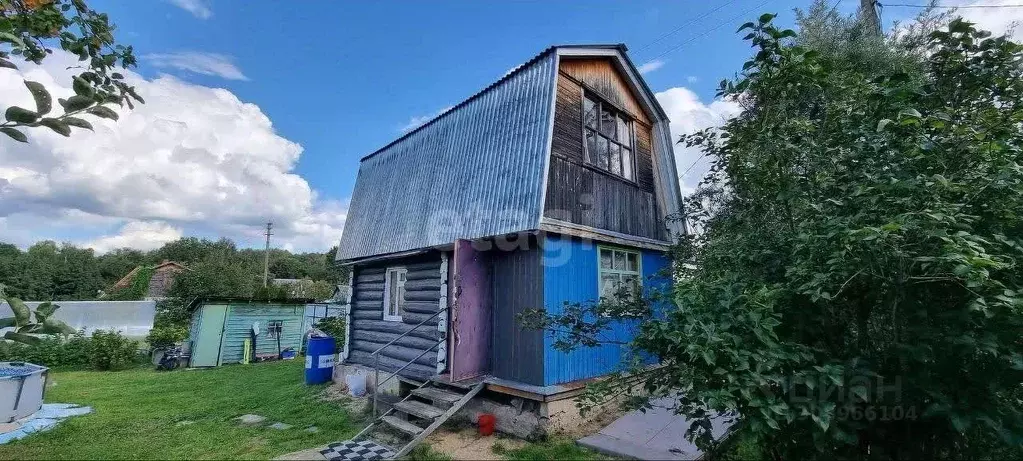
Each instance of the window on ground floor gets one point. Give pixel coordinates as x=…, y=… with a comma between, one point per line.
x=618, y=268
x=394, y=293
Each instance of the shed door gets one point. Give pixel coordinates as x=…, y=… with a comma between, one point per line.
x=206, y=350
x=471, y=313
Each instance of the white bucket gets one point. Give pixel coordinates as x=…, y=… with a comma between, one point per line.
x=356, y=383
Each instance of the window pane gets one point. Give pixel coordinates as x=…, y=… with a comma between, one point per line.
x=392, y=301
x=400, y=307
x=590, y=113
x=619, y=261
x=633, y=260
x=608, y=125
x=605, y=259
x=608, y=284
x=624, y=135
x=591, y=146
x=627, y=163
x=602, y=154
x=616, y=159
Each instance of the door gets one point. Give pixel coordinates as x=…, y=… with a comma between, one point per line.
x=206, y=351
x=470, y=313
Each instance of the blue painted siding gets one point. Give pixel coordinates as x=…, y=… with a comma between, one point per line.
x=570, y=275
x=239, y=328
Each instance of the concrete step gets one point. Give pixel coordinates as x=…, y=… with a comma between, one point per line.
x=436, y=395
x=420, y=409
x=402, y=425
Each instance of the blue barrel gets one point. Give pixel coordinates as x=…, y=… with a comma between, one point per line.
x=319, y=360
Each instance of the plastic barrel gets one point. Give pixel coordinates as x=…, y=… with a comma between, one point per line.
x=319, y=360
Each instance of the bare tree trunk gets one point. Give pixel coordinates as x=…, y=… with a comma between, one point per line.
x=868, y=14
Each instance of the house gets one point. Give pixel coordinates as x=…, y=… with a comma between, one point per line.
x=552, y=185
x=221, y=325
x=159, y=282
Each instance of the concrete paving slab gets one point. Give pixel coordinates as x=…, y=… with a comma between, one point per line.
x=657, y=433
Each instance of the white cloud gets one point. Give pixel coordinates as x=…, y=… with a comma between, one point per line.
x=650, y=66
x=688, y=114
x=214, y=64
x=414, y=122
x=194, y=159
x=198, y=8
x=997, y=20
x=692, y=79
x=143, y=235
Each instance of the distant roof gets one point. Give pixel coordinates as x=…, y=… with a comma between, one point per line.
x=201, y=300
x=126, y=280
x=476, y=170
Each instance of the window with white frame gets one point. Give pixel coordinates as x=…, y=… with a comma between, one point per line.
x=394, y=293
x=607, y=137
x=618, y=268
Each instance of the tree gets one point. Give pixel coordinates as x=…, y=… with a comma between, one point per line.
x=856, y=289
x=29, y=28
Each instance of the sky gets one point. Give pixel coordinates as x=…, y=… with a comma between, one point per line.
x=260, y=110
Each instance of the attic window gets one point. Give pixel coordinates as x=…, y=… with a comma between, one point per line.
x=607, y=137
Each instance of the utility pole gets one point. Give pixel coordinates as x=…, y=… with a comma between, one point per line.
x=869, y=16
x=266, y=254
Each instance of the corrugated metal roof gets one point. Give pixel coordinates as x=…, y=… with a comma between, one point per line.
x=475, y=171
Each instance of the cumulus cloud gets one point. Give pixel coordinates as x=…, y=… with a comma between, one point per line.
x=142, y=235
x=193, y=159
x=414, y=122
x=198, y=8
x=997, y=20
x=651, y=66
x=688, y=114
x=215, y=64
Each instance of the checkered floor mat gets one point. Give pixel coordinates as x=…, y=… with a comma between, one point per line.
x=361, y=450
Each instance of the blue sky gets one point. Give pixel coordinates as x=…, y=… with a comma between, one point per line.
x=260, y=110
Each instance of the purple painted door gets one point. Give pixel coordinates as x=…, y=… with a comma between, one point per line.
x=471, y=313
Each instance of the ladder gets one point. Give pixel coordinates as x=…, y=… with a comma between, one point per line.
x=409, y=421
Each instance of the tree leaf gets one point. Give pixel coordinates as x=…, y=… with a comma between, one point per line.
x=767, y=17
x=7, y=322
x=20, y=115
x=882, y=124
x=54, y=327
x=44, y=103
x=56, y=125
x=22, y=338
x=80, y=123
x=14, y=134
x=7, y=64
x=45, y=310
x=77, y=102
x=748, y=25
x=82, y=87
x=22, y=315
x=105, y=112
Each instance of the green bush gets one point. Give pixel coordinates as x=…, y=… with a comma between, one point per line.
x=335, y=327
x=166, y=336
x=112, y=351
x=103, y=351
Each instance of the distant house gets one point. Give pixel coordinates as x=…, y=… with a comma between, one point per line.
x=160, y=282
x=552, y=185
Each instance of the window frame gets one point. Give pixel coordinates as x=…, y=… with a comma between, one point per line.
x=618, y=112
x=274, y=328
x=638, y=273
x=387, y=317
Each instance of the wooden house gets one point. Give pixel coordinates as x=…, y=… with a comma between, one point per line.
x=220, y=326
x=551, y=185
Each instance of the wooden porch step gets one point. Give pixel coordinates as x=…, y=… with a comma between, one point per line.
x=437, y=395
x=402, y=425
x=420, y=409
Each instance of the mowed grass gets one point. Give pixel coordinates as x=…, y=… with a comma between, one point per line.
x=136, y=415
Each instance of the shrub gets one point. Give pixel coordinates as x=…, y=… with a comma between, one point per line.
x=166, y=336
x=335, y=327
x=112, y=351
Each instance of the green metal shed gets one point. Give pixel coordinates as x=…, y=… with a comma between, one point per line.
x=220, y=327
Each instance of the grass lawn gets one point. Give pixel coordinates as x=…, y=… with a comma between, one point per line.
x=136, y=414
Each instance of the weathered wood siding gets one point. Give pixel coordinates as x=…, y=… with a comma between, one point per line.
x=422, y=299
x=238, y=328
x=584, y=195
x=517, y=353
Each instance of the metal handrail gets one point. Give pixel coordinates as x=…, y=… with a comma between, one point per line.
x=376, y=358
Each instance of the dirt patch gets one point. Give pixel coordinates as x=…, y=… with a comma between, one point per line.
x=358, y=407
x=467, y=444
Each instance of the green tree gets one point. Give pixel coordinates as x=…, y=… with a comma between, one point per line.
x=29, y=29
x=855, y=289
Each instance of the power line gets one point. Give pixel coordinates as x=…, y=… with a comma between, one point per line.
x=720, y=25
x=952, y=7
x=673, y=31
x=693, y=165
